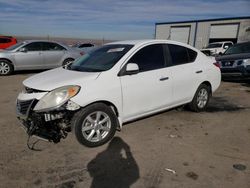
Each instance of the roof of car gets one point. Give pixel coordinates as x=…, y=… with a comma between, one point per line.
x=27, y=41
x=139, y=42
x=148, y=41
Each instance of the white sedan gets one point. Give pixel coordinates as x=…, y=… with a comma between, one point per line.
x=114, y=84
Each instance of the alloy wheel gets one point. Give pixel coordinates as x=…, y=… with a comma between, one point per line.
x=4, y=68
x=202, y=98
x=96, y=126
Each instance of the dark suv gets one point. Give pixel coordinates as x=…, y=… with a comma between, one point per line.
x=236, y=60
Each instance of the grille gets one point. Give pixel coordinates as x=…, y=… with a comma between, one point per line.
x=227, y=63
x=24, y=106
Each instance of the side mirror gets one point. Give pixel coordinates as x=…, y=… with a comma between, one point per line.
x=225, y=47
x=132, y=68
x=23, y=50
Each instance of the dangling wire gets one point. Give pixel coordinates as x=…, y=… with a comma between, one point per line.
x=31, y=147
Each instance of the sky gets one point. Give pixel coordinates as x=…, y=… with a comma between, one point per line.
x=109, y=19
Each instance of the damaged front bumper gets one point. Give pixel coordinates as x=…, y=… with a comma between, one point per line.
x=48, y=125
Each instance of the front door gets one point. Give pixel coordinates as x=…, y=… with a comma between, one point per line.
x=30, y=56
x=151, y=88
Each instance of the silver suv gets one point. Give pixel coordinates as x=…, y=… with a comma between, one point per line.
x=33, y=54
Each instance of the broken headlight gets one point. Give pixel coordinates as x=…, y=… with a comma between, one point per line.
x=56, y=98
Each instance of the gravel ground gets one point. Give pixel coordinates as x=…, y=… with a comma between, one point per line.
x=177, y=148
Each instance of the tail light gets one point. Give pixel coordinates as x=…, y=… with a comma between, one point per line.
x=217, y=64
x=81, y=53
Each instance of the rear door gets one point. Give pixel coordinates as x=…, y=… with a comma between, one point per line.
x=53, y=54
x=151, y=88
x=30, y=56
x=186, y=73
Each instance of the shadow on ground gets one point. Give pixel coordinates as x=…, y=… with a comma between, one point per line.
x=24, y=72
x=114, y=167
x=221, y=104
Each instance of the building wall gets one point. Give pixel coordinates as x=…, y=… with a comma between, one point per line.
x=199, y=37
x=163, y=31
x=244, y=31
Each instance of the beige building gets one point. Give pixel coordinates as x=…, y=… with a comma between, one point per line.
x=200, y=33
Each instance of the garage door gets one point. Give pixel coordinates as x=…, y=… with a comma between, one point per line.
x=224, y=31
x=180, y=34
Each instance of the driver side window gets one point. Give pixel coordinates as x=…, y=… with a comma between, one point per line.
x=149, y=58
x=34, y=46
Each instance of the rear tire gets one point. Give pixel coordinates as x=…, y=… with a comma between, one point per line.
x=201, y=98
x=6, y=68
x=95, y=125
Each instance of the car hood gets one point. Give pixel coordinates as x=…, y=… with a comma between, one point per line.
x=210, y=49
x=49, y=80
x=233, y=57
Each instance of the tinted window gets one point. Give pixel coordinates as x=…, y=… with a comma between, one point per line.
x=149, y=58
x=4, y=40
x=48, y=46
x=179, y=54
x=85, y=45
x=34, y=46
x=192, y=55
x=101, y=59
x=228, y=44
x=239, y=48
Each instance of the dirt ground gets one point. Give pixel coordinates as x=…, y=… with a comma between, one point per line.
x=174, y=149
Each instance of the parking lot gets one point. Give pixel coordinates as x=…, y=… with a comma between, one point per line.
x=177, y=148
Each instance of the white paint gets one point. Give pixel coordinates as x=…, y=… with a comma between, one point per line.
x=137, y=95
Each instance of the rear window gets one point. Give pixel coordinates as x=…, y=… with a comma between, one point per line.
x=192, y=55
x=4, y=40
x=181, y=55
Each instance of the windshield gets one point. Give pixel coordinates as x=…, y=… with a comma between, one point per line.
x=101, y=59
x=15, y=46
x=214, y=45
x=238, y=49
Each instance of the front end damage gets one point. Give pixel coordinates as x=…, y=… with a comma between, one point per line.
x=50, y=125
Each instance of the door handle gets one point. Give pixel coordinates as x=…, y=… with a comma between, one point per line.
x=199, y=71
x=163, y=78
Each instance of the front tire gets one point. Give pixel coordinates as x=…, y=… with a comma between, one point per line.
x=95, y=125
x=201, y=98
x=6, y=68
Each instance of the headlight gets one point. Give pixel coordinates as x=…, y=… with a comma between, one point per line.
x=246, y=62
x=56, y=97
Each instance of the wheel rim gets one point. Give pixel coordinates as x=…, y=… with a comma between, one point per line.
x=4, y=68
x=96, y=126
x=202, y=98
x=67, y=62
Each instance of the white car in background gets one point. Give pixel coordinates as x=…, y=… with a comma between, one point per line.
x=116, y=83
x=216, y=48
